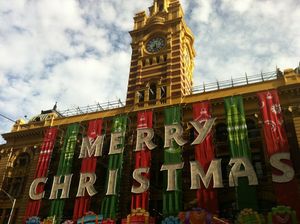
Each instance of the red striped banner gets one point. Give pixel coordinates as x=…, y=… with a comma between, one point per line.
x=142, y=160
x=276, y=141
x=88, y=165
x=33, y=206
x=204, y=154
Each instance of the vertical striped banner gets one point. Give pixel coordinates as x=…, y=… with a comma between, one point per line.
x=240, y=147
x=204, y=154
x=142, y=160
x=88, y=165
x=172, y=200
x=33, y=207
x=65, y=167
x=110, y=202
x=276, y=142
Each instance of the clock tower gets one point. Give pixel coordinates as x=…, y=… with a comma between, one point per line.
x=162, y=60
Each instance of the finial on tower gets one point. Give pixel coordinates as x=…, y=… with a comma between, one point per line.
x=161, y=5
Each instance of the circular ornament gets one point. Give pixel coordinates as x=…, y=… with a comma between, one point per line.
x=155, y=44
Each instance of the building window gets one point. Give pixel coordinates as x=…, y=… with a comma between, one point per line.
x=141, y=97
x=22, y=161
x=152, y=92
x=163, y=94
x=16, y=187
x=15, y=182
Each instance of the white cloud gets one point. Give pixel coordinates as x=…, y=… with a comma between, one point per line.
x=240, y=6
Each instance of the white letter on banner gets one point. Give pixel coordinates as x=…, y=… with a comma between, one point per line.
x=32, y=190
x=203, y=130
x=197, y=174
x=116, y=142
x=142, y=180
x=91, y=147
x=65, y=187
x=288, y=171
x=112, y=182
x=171, y=168
x=87, y=181
x=173, y=132
x=236, y=171
x=144, y=136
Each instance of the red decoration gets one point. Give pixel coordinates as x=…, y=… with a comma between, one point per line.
x=88, y=165
x=276, y=141
x=108, y=221
x=33, y=207
x=142, y=160
x=204, y=154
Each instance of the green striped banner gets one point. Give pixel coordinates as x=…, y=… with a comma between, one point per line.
x=240, y=147
x=110, y=202
x=65, y=167
x=172, y=200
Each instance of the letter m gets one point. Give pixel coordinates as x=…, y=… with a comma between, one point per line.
x=91, y=147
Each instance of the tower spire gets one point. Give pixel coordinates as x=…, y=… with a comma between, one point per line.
x=161, y=5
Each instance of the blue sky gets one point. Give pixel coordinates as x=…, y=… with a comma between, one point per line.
x=77, y=52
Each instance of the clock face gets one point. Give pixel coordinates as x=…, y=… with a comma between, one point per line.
x=155, y=44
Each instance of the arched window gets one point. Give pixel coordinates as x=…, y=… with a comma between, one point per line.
x=16, y=181
x=221, y=132
x=22, y=161
x=152, y=92
x=141, y=96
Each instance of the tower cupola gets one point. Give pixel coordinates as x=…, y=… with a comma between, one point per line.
x=162, y=61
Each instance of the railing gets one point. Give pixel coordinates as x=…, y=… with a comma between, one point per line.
x=262, y=77
x=92, y=108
